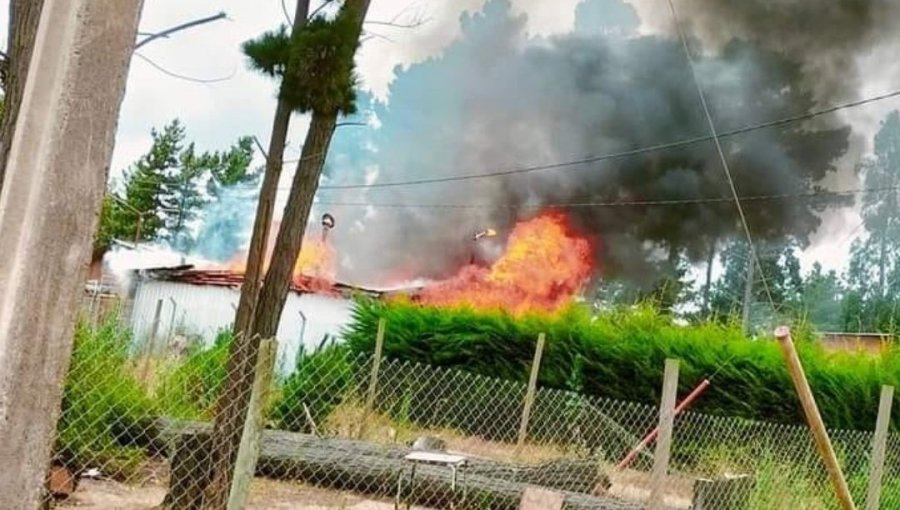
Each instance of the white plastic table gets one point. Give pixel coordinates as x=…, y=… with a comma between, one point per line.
x=456, y=463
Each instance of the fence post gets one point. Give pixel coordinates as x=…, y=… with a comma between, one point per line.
x=529, y=393
x=151, y=343
x=373, y=376
x=879, y=445
x=664, y=440
x=248, y=452
x=814, y=419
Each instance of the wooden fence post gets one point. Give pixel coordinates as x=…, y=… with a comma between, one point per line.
x=248, y=452
x=879, y=445
x=664, y=440
x=373, y=376
x=814, y=419
x=151, y=343
x=529, y=393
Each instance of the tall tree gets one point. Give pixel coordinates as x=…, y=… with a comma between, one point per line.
x=873, y=274
x=270, y=54
x=879, y=253
x=164, y=189
x=780, y=269
x=319, y=65
x=821, y=300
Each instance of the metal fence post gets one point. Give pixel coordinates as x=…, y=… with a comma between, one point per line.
x=879, y=445
x=151, y=343
x=664, y=441
x=248, y=452
x=373, y=376
x=529, y=393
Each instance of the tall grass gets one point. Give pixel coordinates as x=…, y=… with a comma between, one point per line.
x=620, y=355
x=190, y=388
x=104, y=409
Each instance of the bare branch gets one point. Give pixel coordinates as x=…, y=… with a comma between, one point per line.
x=417, y=22
x=369, y=35
x=261, y=149
x=178, y=28
x=287, y=15
x=319, y=8
x=341, y=124
x=181, y=76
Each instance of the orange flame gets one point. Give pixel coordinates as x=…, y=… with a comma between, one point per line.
x=542, y=268
x=316, y=260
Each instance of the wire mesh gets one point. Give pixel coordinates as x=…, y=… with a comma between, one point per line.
x=138, y=421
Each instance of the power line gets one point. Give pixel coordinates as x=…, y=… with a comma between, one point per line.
x=181, y=76
x=149, y=185
x=622, y=154
x=620, y=203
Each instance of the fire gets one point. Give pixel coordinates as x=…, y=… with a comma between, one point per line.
x=316, y=260
x=542, y=268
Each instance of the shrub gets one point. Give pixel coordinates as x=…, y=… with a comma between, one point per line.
x=620, y=355
x=105, y=412
x=190, y=389
x=322, y=380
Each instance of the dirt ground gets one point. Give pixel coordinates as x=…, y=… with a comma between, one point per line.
x=264, y=495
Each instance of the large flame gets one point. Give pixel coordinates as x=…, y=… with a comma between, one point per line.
x=544, y=265
x=314, y=265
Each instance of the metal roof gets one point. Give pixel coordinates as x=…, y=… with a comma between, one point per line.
x=300, y=284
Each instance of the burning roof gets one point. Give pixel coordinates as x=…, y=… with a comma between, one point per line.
x=301, y=284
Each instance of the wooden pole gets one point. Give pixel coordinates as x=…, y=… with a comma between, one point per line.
x=529, y=393
x=879, y=445
x=373, y=376
x=664, y=441
x=814, y=419
x=248, y=452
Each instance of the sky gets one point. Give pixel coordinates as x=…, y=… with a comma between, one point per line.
x=235, y=101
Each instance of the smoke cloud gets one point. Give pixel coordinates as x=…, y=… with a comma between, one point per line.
x=497, y=99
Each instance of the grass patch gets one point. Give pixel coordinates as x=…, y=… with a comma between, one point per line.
x=104, y=409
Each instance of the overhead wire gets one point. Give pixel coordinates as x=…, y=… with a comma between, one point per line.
x=622, y=154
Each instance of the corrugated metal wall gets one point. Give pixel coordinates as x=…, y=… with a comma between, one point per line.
x=202, y=310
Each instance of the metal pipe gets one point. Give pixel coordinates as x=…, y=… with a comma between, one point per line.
x=649, y=438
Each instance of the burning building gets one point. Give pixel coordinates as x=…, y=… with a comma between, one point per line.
x=174, y=306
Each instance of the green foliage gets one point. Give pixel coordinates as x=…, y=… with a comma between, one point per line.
x=316, y=66
x=163, y=190
x=620, y=355
x=189, y=390
x=321, y=380
x=104, y=409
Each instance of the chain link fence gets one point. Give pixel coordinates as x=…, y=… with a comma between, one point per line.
x=136, y=424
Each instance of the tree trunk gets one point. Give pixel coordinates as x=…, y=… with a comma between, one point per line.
x=24, y=16
x=882, y=262
x=710, y=260
x=267, y=194
x=231, y=408
x=374, y=469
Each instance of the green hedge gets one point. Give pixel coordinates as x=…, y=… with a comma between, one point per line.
x=620, y=355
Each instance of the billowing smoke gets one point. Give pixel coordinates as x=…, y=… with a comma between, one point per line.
x=226, y=221
x=497, y=99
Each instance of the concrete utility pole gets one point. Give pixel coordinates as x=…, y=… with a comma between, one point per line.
x=49, y=206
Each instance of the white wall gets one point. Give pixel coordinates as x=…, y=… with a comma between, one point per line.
x=205, y=309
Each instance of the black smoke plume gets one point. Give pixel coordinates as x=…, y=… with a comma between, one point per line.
x=498, y=98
